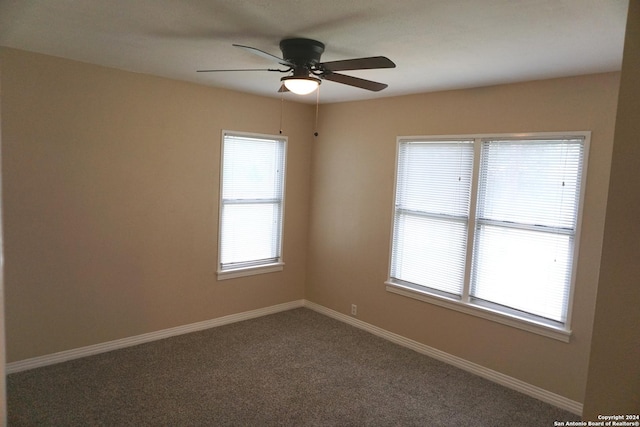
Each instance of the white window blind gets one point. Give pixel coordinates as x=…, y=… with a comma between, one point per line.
x=528, y=198
x=431, y=213
x=506, y=251
x=252, y=200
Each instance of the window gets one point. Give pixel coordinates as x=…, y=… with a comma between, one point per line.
x=251, y=204
x=489, y=224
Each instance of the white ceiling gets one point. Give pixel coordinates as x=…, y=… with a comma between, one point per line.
x=436, y=44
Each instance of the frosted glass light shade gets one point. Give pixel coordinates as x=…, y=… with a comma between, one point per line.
x=301, y=85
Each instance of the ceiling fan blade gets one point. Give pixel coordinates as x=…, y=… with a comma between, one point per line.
x=355, y=81
x=265, y=55
x=243, y=69
x=359, y=64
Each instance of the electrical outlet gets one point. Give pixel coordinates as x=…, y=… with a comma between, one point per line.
x=354, y=310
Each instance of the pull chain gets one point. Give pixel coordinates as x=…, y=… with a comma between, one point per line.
x=317, y=106
x=281, y=108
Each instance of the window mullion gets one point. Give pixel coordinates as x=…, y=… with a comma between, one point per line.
x=250, y=201
x=471, y=224
x=569, y=231
x=417, y=213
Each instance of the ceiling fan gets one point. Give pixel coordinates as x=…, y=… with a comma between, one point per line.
x=301, y=57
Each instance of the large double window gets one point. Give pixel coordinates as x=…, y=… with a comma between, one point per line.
x=489, y=225
x=251, y=204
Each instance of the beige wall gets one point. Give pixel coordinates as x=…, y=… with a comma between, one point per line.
x=111, y=202
x=614, y=369
x=352, y=192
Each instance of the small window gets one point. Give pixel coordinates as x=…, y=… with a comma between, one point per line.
x=489, y=225
x=251, y=204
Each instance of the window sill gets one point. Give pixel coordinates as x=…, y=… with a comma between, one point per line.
x=479, y=311
x=250, y=271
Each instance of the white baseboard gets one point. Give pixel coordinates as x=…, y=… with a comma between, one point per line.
x=63, y=356
x=497, y=377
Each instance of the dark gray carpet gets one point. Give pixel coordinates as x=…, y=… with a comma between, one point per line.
x=296, y=368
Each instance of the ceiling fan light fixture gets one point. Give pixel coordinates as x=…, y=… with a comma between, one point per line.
x=301, y=85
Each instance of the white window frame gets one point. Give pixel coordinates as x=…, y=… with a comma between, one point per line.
x=248, y=268
x=465, y=303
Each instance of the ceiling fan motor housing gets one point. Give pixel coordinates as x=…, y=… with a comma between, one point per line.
x=304, y=53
